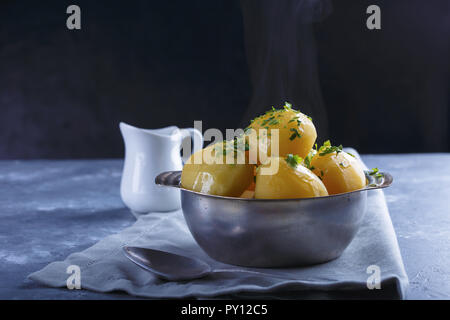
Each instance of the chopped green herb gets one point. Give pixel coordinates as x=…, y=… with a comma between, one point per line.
x=295, y=119
x=288, y=107
x=327, y=148
x=295, y=134
x=267, y=120
x=375, y=172
x=273, y=122
x=293, y=160
x=275, y=113
x=308, y=159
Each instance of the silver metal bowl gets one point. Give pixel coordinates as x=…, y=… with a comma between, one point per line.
x=273, y=233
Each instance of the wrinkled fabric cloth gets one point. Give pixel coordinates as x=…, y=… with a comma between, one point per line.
x=104, y=268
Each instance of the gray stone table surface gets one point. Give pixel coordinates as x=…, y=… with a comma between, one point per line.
x=50, y=208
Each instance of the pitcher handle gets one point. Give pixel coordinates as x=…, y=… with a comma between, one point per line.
x=196, y=136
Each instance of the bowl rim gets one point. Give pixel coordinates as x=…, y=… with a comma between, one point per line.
x=380, y=183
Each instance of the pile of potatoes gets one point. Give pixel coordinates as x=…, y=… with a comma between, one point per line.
x=303, y=170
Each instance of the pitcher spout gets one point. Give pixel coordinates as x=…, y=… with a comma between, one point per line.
x=166, y=132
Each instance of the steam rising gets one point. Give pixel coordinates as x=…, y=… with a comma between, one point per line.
x=281, y=54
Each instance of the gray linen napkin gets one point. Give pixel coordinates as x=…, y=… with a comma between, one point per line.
x=104, y=268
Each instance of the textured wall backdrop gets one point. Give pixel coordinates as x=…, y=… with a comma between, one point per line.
x=157, y=63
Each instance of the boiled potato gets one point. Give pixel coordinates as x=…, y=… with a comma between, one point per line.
x=248, y=194
x=216, y=178
x=297, y=133
x=291, y=180
x=340, y=172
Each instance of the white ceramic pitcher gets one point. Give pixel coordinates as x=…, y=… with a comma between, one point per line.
x=148, y=152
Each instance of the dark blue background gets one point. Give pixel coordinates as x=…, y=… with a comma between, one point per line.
x=157, y=63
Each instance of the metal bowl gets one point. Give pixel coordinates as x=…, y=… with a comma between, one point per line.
x=273, y=233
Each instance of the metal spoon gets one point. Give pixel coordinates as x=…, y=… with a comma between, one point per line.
x=166, y=265
x=174, y=267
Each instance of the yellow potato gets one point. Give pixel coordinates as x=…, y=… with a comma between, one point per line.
x=297, y=133
x=340, y=172
x=250, y=191
x=292, y=180
x=248, y=194
x=219, y=179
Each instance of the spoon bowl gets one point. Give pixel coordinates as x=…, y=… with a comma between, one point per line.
x=166, y=265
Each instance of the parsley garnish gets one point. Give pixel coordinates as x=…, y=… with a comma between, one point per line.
x=308, y=159
x=276, y=113
x=288, y=107
x=375, y=172
x=267, y=120
x=295, y=119
x=293, y=160
x=327, y=148
x=273, y=122
x=236, y=146
x=295, y=134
